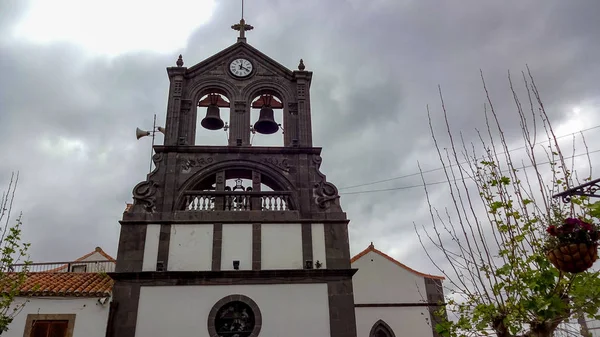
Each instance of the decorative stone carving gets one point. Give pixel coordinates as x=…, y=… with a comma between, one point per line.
x=240, y=107
x=177, y=88
x=144, y=195
x=200, y=162
x=325, y=192
x=281, y=164
x=186, y=105
x=293, y=108
x=255, y=177
x=301, y=90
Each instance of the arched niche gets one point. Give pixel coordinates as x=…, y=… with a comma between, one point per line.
x=381, y=329
x=272, y=100
x=199, y=95
x=205, y=135
x=216, y=188
x=285, y=96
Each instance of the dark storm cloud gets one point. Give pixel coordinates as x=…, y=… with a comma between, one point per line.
x=376, y=66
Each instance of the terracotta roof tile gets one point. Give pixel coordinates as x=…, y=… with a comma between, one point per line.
x=371, y=248
x=67, y=284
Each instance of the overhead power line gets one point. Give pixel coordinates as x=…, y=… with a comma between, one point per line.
x=441, y=168
x=445, y=181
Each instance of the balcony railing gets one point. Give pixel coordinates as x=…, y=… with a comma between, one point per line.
x=202, y=201
x=63, y=267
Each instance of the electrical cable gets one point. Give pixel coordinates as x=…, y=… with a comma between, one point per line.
x=441, y=168
x=445, y=181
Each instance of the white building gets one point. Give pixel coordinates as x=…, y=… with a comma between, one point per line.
x=391, y=299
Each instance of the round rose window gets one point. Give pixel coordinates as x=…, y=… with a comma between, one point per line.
x=234, y=319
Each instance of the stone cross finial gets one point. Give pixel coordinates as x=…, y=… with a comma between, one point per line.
x=242, y=27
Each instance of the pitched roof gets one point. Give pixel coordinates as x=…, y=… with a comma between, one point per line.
x=66, y=284
x=97, y=250
x=371, y=248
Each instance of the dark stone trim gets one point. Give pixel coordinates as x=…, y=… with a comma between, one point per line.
x=337, y=247
x=164, y=240
x=112, y=310
x=435, y=294
x=237, y=149
x=127, y=296
x=381, y=325
x=212, y=331
x=217, y=246
x=256, y=246
x=342, y=317
x=307, y=248
x=393, y=305
x=238, y=276
x=183, y=217
x=130, y=255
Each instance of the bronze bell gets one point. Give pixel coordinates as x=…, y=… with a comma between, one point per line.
x=266, y=122
x=213, y=120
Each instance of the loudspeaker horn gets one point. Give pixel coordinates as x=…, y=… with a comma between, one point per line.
x=141, y=133
x=161, y=129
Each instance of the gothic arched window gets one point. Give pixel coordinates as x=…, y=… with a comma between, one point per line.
x=381, y=329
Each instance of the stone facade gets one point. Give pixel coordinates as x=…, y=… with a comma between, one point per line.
x=189, y=187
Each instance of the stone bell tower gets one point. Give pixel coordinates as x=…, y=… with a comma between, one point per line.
x=235, y=240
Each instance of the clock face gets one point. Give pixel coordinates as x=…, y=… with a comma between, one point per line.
x=240, y=67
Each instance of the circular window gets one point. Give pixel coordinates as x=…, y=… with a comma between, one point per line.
x=234, y=316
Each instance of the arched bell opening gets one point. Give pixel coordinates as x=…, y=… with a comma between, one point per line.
x=237, y=189
x=212, y=119
x=267, y=116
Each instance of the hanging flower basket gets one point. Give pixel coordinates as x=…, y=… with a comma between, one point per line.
x=573, y=246
x=573, y=258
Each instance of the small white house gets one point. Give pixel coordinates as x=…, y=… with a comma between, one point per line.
x=73, y=299
x=65, y=299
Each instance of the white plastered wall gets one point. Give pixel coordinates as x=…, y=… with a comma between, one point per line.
x=318, y=244
x=90, y=320
x=281, y=246
x=190, y=248
x=151, y=248
x=236, y=245
x=293, y=310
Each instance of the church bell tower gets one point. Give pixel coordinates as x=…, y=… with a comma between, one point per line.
x=235, y=240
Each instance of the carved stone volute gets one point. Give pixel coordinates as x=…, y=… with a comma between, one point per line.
x=325, y=194
x=144, y=197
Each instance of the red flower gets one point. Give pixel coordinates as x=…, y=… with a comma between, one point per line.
x=551, y=230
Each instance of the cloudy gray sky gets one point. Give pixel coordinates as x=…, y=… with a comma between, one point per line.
x=77, y=78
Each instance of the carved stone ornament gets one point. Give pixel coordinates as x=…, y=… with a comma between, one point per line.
x=281, y=164
x=293, y=108
x=186, y=105
x=256, y=177
x=240, y=107
x=144, y=195
x=325, y=192
x=200, y=162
